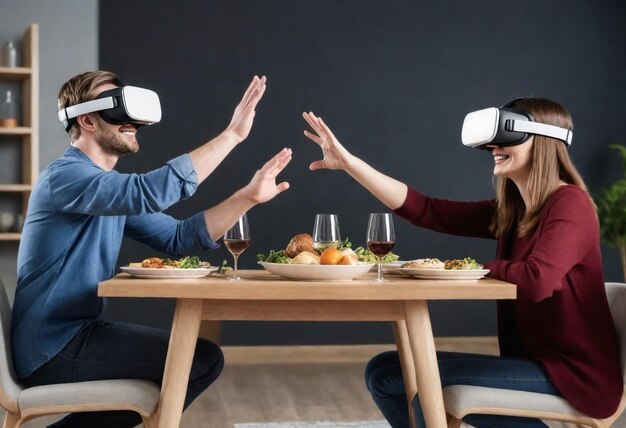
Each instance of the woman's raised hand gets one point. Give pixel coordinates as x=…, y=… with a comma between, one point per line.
x=335, y=155
x=388, y=190
x=243, y=117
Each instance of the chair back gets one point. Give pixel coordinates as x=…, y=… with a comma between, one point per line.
x=616, y=294
x=9, y=388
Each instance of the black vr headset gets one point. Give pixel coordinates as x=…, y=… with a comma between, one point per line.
x=506, y=126
x=126, y=104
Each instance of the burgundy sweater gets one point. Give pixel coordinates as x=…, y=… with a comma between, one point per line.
x=561, y=317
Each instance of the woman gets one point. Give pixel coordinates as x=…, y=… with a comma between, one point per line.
x=557, y=337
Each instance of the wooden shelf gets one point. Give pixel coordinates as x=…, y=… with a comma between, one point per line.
x=15, y=73
x=28, y=79
x=10, y=236
x=16, y=130
x=15, y=187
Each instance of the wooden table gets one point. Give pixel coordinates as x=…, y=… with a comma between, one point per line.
x=263, y=296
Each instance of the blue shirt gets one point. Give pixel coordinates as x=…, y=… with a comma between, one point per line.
x=77, y=216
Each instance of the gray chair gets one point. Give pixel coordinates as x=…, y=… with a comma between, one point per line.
x=462, y=400
x=22, y=404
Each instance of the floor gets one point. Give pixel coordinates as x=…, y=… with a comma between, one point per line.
x=303, y=383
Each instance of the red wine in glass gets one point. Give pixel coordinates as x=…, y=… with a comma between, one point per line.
x=380, y=248
x=381, y=238
x=236, y=246
x=236, y=240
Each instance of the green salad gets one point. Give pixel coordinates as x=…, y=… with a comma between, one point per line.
x=279, y=256
x=467, y=263
x=188, y=262
x=366, y=256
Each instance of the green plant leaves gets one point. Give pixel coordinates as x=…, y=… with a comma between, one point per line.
x=612, y=208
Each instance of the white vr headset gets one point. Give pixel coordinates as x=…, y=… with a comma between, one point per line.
x=506, y=126
x=126, y=104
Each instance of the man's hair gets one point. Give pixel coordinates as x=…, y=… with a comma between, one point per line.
x=551, y=164
x=79, y=89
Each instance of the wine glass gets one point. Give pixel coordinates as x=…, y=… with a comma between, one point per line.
x=380, y=238
x=237, y=240
x=326, y=232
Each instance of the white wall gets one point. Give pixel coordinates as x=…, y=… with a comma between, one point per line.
x=68, y=45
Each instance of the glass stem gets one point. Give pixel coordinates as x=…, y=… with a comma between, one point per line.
x=380, y=270
x=235, y=271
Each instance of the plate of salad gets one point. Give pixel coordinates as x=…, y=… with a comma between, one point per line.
x=164, y=268
x=466, y=268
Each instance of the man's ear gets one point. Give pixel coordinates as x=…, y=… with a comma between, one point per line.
x=85, y=121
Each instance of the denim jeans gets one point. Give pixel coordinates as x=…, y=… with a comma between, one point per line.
x=122, y=351
x=383, y=377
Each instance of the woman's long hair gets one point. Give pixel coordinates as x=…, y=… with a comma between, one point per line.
x=550, y=165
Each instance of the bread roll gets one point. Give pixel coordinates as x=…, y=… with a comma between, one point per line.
x=306, y=258
x=349, y=257
x=331, y=256
x=298, y=244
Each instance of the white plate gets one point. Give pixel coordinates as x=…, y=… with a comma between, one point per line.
x=389, y=267
x=445, y=273
x=317, y=272
x=154, y=273
x=393, y=267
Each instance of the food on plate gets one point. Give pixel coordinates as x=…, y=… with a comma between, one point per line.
x=306, y=258
x=331, y=256
x=300, y=251
x=188, y=262
x=153, y=263
x=279, y=256
x=299, y=243
x=366, y=256
x=462, y=264
x=453, y=264
x=349, y=257
x=431, y=263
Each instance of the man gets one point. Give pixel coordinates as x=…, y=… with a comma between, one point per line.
x=77, y=215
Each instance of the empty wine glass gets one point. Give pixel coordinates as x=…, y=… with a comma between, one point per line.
x=237, y=240
x=381, y=238
x=326, y=232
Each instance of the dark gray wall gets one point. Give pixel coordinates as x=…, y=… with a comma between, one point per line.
x=394, y=79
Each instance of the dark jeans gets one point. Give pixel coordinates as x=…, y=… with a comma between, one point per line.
x=383, y=377
x=122, y=351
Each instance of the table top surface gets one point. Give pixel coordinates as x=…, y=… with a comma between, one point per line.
x=261, y=285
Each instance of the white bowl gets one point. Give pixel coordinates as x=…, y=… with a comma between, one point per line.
x=317, y=272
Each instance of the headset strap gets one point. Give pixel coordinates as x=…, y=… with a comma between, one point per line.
x=83, y=108
x=529, y=127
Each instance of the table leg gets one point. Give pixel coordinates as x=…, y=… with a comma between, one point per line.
x=425, y=358
x=406, y=362
x=180, y=352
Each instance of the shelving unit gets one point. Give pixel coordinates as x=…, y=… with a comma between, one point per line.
x=28, y=131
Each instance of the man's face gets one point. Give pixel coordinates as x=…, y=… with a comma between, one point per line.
x=114, y=139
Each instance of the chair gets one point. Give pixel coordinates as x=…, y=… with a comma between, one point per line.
x=22, y=404
x=462, y=400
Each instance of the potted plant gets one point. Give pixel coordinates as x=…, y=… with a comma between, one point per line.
x=612, y=211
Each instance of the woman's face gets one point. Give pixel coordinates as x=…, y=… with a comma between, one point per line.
x=513, y=162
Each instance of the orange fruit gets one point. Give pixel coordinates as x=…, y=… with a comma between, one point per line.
x=331, y=256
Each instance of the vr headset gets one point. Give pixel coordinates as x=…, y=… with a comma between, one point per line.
x=126, y=104
x=506, y=126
